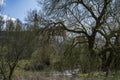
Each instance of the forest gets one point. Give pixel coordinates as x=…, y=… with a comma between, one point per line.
x=63, y=40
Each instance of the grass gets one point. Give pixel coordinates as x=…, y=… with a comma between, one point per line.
x=30, y=75
x=21, y=74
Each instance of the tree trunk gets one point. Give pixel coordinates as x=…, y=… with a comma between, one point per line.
x=11, y=72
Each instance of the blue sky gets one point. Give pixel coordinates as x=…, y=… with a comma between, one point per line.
x=19, y=8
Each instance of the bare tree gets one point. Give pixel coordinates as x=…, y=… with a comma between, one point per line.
x=85, y=16
x=82, y=17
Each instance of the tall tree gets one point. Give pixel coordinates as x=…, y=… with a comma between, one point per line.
x=82, y=17
x=85, y=16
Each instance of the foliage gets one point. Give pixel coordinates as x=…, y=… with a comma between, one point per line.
x=67, y=35
x=14, y=45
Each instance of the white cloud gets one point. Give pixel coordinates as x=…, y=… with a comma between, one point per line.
x=2, y=2
x=5, y=18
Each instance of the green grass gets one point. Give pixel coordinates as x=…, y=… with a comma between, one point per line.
x=21, y=74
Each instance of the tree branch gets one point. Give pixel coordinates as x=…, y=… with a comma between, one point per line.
x=70, y=30
x=89, y=9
